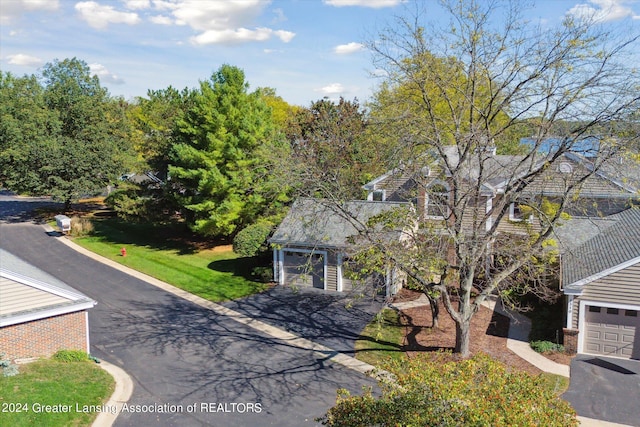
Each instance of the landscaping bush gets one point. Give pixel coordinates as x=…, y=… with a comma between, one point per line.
x=8, y=369
x=252, y=240
x=71, y=356
x=263, y=274
x=474, y=392
x=546, y=346
x=80, y=226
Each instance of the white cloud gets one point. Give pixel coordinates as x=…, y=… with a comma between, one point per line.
x=240, y=35
x=218, y=15
x=331, y=89
x=104, y=74
x=99, y=16
x=12, y=9
x=378, y=72
x=21, y=59
x=223, y=22
x=603, y=10
x=345, y=49
x=161, y=20
x=137, y=4
x=279, y=16
x=375, y=4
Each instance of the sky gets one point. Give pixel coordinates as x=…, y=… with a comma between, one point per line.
x=305, y=49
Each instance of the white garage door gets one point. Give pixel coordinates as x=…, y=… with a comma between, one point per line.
x=610, y=331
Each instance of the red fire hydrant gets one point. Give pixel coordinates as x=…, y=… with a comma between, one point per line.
x=123, y=252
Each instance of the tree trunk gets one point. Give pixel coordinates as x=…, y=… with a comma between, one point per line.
x=463, y=330
x=435, y=311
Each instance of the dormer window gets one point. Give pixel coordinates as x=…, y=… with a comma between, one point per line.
x=377, y=196
x=519, y=212
x=436, y=202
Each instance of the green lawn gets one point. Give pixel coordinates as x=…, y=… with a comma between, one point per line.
x=24, y=397
x=171, y=255
x=381, y=340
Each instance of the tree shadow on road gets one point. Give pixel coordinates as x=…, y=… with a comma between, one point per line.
x=213, y=357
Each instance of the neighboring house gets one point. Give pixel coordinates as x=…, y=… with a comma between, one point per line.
x=312, y=244
x=600, y=265
x=610, y=190
x=600, y=276
x=39, y=314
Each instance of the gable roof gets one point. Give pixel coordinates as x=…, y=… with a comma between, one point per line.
x=618, y=174
x=616, y=246
x=322, y=223
x=27, y=293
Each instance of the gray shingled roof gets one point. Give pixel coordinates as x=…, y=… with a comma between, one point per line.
x=13, y=264
x=321, y=223
x=612, y=246
x=28, y=291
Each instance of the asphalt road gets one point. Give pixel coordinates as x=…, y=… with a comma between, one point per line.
x=179, y=353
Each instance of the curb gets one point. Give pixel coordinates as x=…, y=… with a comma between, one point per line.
x=121, y=394
x=124, y=384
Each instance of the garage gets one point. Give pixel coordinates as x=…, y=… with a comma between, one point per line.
x=610, y=331
x=304, y=269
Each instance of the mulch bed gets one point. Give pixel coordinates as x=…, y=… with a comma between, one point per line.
x=488, y=334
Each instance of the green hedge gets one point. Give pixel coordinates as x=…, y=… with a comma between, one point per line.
x=252, y=240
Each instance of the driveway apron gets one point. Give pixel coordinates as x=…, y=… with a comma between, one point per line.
x=190, y=366
x=331, y=319
x=605, y=388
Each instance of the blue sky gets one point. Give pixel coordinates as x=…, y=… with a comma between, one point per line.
x=305, y=49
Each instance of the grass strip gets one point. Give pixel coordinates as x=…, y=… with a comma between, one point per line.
x=53, y=393
x=214, y=274
x=381, y=340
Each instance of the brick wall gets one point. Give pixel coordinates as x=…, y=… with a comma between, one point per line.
x=570, y=341
x=42, y=338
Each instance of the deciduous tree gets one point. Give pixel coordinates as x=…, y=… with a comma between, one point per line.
x=452, y=92
x=76, y=142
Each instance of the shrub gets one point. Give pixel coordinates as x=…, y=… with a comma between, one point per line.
x=263, y=274
x=8, y=368
x=546, y=346
x=252, y=240
x=71, y=356
x=80, y=226
x=478, y=391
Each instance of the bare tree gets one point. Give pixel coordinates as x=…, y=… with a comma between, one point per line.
x=455, y=94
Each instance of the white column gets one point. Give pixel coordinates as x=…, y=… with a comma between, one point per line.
x=281, y=267
x=339, y=273
x=86, y=325
x=487, y=210
x=569, y=311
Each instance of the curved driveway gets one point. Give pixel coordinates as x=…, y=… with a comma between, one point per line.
x=179, y=353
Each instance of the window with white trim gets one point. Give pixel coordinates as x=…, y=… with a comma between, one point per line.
x=436, y=201
x=378, y=195
x=519, y=212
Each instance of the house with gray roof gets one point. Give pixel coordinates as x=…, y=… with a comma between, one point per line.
x=313, y=243
x=39, y=314
x=613, y=187
x=600, y=276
